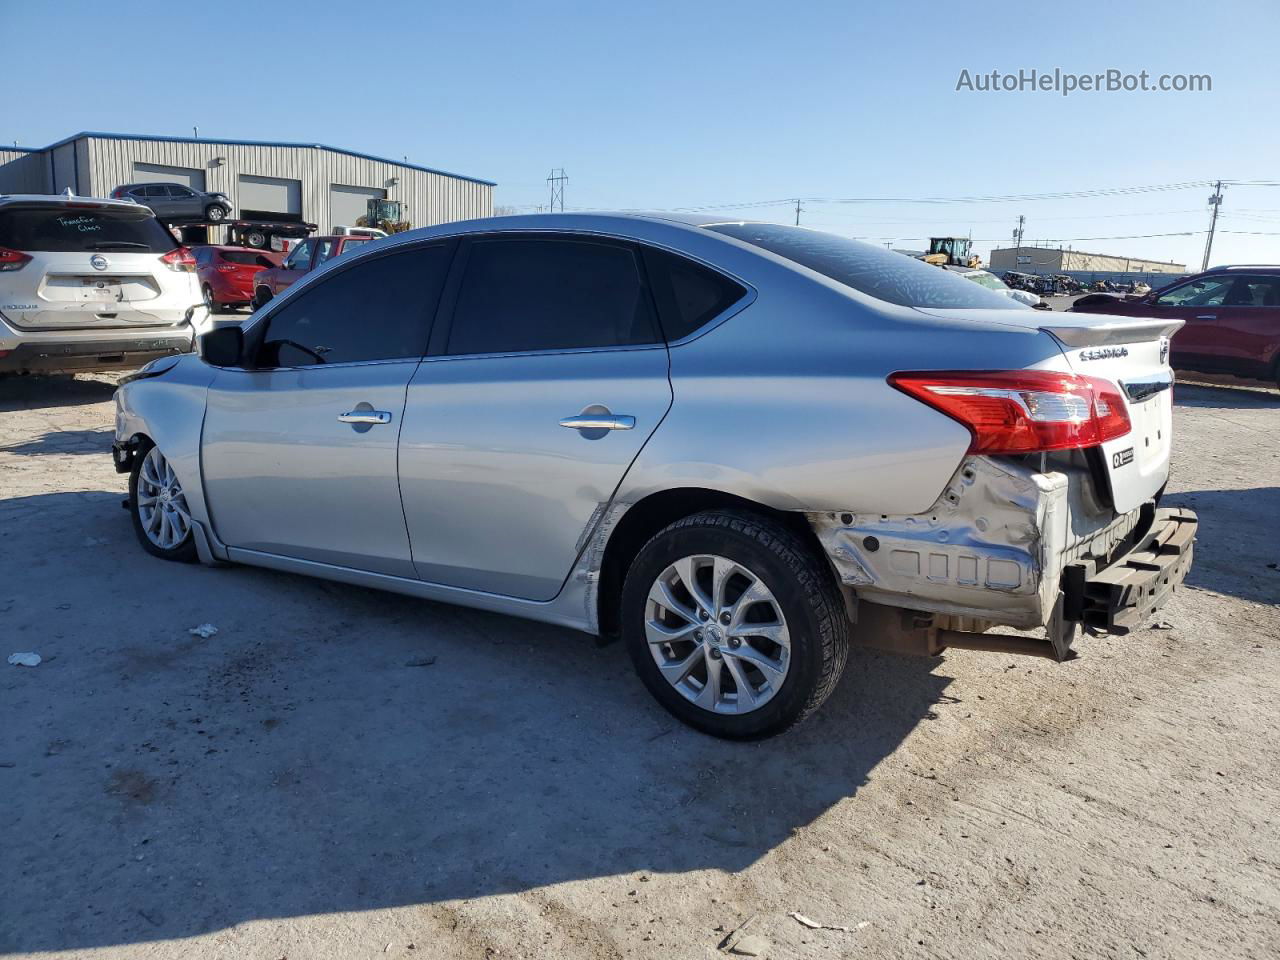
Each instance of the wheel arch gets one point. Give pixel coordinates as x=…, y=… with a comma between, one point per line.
x=649, y=515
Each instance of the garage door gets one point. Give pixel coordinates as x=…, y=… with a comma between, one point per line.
x=347, y=204
x=269, y=198
x=158, y=173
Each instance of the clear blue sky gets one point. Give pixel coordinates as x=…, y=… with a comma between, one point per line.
x=665, y=105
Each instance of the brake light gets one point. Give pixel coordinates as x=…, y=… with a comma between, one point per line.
x=179, y=258
x=13, y=259
x=1023, y=411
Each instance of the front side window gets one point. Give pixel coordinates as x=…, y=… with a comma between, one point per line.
x=380, y=309
x=324, y=251
x=875, y=271
x=300, y=256
x=1205, y=292
x=542, y=294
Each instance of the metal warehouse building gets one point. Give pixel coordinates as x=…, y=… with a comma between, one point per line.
x=1055, y=260
x=307, y=182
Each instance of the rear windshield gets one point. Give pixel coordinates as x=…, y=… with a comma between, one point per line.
x=77, y=230
x=869, y=269
x=248, y=257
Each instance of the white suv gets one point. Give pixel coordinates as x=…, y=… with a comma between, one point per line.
x=88, y=284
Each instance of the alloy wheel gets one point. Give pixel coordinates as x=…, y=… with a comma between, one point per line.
x=717, y=634
x=162, y=507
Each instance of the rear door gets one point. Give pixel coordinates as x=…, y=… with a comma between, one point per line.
x=92, y=265
x=1248, y=325
x=299, y=448
x=545, y=377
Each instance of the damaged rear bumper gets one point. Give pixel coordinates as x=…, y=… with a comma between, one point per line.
x=1006, y=545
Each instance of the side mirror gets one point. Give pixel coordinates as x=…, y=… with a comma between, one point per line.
x=222, y=347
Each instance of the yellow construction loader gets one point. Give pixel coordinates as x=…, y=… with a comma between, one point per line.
x=951, y=252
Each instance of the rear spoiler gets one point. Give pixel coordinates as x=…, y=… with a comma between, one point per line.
x=1113, y=331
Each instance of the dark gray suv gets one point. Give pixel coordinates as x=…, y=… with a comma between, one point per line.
x=176, y=201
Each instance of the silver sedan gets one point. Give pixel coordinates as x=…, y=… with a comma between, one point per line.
x=739, y=447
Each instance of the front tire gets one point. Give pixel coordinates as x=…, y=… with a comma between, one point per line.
x=215, y=213
x=261, y=297
x=161, y=518
x=734, y=624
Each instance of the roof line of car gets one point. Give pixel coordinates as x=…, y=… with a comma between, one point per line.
x=98, y=135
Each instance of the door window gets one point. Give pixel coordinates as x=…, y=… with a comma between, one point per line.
x=542, y=294
x=1254, y=292
x=1205, y=292
x=380, y=309
x=300, y=256
x=689, y=295
x=325, y=251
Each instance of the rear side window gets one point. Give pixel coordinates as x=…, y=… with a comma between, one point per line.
x=875, y=271
x=689, y=295
x=380, y=309
x=74, y=230
x=540, y=294
x=246, y=257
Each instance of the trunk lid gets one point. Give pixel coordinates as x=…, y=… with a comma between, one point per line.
x=1132, y=352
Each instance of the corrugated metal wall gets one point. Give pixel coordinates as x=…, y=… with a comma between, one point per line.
x=24, y=171
x=429, y=198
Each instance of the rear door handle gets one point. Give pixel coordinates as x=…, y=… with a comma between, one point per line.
x=1207, y=316
x=598, y=422
x=365, y=416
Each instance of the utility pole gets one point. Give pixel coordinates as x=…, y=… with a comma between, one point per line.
x=798, y=209
x=1017, y=235
x=557, y=180
x=1215, y=202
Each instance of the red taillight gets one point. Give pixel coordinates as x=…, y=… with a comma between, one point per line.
x=13, y=259
x=1023, y=411
x=179, y=258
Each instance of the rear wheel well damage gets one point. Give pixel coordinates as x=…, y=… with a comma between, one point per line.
x=641, y=521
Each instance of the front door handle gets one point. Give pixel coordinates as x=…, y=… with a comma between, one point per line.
x=365, y=416
x=598, y=422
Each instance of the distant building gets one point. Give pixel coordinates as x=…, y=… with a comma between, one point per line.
x=1052, y=260
x=307, y=182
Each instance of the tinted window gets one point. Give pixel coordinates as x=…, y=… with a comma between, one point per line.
x=869, y=269
x=153, y=191
x=377, y=310
x=1254, y=292
x=245, y=257
x=688, y=294
x=66, y=229
x=550, y=295
x=300, y=256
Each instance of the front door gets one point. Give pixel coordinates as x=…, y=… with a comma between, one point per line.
x=299, y=446
x=541, y=387
x=1198, y=303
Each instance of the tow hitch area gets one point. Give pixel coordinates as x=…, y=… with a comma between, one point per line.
x=1122, y=596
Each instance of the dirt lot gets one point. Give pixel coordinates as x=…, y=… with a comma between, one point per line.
x=292, y=787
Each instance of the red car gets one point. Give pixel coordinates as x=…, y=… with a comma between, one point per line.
x=226, y=274
x=302, y=259
x=1232, y=319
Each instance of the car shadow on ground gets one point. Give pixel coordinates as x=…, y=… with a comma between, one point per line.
x=97, y=442
x=25, y=392
x=1226, y=562
x=1224, y=395
x=338, y=749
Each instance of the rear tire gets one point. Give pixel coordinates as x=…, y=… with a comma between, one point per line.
x=256, y=239
x=210, y=303
x=774, y=632
x=158, y=507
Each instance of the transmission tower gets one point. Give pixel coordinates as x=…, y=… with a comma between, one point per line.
x=556, y=181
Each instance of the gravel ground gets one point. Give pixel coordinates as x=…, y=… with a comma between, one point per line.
x=292, y=787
